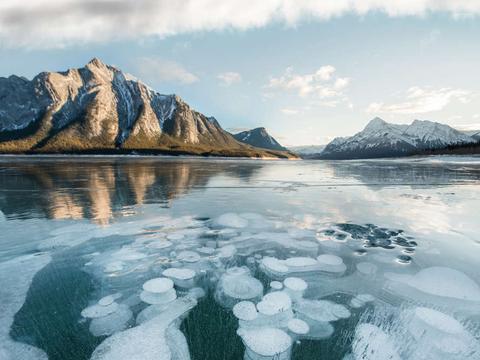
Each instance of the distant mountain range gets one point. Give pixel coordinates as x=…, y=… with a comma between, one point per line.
x=381, y=139
x=100, y=109
x=259, y=137
x=307, y=151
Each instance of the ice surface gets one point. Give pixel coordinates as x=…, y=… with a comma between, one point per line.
x=179, y=273
x=231, y=220
x=13, y=291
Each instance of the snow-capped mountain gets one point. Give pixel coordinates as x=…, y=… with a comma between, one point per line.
x=259, y=137
x=381, y=139
x=99, y=108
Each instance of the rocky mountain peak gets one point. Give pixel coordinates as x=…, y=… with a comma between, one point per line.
x=97, y=108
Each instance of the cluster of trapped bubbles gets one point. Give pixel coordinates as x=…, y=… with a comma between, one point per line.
x=285, y=282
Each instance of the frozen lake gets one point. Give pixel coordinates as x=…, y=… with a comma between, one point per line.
x=171, y=258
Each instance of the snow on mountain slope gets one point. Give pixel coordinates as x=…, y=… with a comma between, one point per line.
x=381, y=139
x=259, y=137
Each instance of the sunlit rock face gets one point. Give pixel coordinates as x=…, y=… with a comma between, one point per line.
x=98, y=107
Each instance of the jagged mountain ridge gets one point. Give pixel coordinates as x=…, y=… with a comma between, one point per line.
x=99, y=108
x=381, y=139
x=259, y=137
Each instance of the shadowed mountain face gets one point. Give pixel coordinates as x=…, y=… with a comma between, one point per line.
x=98, y=108
x=97, y=189
x=260, y=138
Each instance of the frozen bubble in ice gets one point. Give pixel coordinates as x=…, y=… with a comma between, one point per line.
x=175, y=236
x=328, y=259
x=227, y=251
x=237, y=284
x=231, y=220
x=365, y=297
x=128, y=254
x=182, y=277
x=274, y=265
x=196, y=293
x=373, y=343
x=109, y=299
x=114, y=266
x=238, y=271
x=298, y=326
x=159, y=244
x=112, y=323
x=367, y=268
x=188, y=256
x=274, y=303
x=158, y=298
x=300, y=262
x=150, y=312
x=295, y=284
x=96, y=311
x=241, y=287
x=245, y=310
x=321, y=310
x=146, y=341
x=331, y=263
x=265, y=343
x=179, y=273
x=438, y=320
x=206, y=250
x=442, y=281
x=276, y=285
x=158, y=285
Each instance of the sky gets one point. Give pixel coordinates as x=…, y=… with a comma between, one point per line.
x=306, y=70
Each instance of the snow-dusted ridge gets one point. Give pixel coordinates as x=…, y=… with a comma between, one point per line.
x=382, y=139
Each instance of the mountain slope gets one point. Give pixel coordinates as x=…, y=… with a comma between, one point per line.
x=259, y=137
x=381, y=139
x=98, y=108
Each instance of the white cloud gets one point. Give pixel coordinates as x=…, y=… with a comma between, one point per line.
x=160, y=70
x=229, y=78
x=54, y=23
x=322, y=84
x=420, y=100
x=288, y=111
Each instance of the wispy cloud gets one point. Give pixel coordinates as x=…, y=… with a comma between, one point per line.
x=229, y=78
x=322, y=84
x=160, y=70
x=420, y=100
x=53, y=23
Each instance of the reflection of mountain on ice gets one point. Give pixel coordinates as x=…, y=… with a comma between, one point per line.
x=97, y=189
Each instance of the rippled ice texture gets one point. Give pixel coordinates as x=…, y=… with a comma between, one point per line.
x=147, y=258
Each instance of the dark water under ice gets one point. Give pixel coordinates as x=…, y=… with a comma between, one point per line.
x=401, y=233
